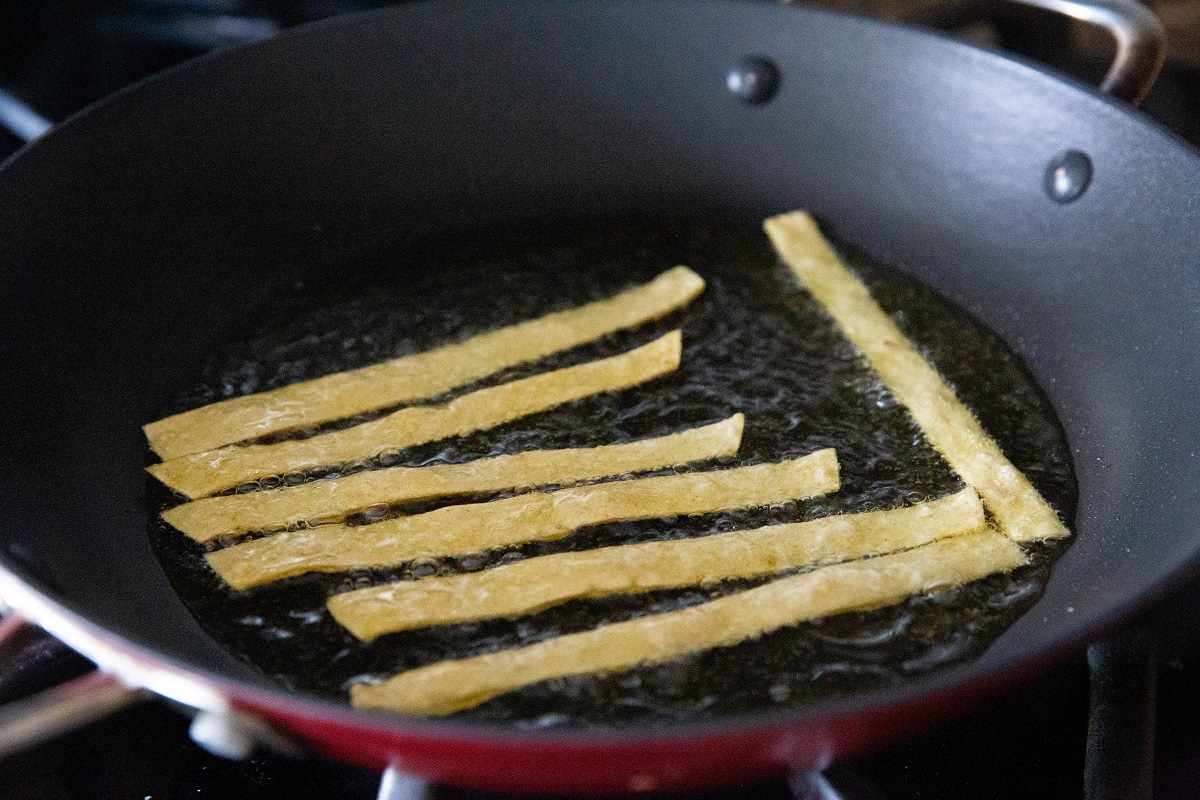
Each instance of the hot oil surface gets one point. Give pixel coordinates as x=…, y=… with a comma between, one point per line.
x=753, y=342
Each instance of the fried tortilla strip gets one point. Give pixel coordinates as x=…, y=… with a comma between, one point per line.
x=334, y=500
x=525, y=518
x=418, y=376
x=1023, y=514
x=538, y=583
x=448, y=686
x=204, y=473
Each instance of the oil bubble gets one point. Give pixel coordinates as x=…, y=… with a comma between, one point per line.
x=374, y=513
x=423, y=568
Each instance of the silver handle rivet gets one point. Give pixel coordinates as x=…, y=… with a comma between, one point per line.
x=1068, y=176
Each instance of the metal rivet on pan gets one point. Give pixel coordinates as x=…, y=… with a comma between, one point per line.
x=221, y=735
x=754, y=80
x=234, y=735
x=1068, y=176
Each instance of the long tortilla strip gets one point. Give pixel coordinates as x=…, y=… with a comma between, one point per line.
x=539, y=583
x=334, y=500
x=204, y=473
x=418, y=376
x=1022, y=513
x=449, y=686
x=525, y=518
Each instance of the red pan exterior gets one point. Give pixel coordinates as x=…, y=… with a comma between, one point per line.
x=673, y=763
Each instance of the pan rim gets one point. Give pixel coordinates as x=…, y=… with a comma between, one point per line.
x=997, y=58
x=141, y=666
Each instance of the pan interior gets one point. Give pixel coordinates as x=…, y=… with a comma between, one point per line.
x=754, y=343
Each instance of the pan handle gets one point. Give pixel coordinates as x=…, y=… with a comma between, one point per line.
x=30, y=721
x=19, y=118
x=1141, y=41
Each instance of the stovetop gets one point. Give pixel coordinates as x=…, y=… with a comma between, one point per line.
x=1028, y=743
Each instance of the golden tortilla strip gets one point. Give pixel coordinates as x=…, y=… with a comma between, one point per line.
x=204, y=473
x=473, y=527
x=334, y=500
x=418, y=376
x=1022, y=513
x=448, y=686
x=538, y=583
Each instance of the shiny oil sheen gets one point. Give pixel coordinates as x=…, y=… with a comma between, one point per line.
x=753, y=342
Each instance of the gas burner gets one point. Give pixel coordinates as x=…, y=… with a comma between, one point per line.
x=145, y=751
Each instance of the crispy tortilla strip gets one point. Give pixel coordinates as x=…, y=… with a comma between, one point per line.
x=418, y=376
x=525, y=518
x=449, y=686
x=334, y=500
x=950, y=427
x=204, y=473
x=539, y=583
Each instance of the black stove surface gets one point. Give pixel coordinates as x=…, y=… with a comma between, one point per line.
x=1028, y=743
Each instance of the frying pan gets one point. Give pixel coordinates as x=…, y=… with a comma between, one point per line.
x=137, y=235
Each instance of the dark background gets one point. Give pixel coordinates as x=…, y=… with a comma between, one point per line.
x=60, y=55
